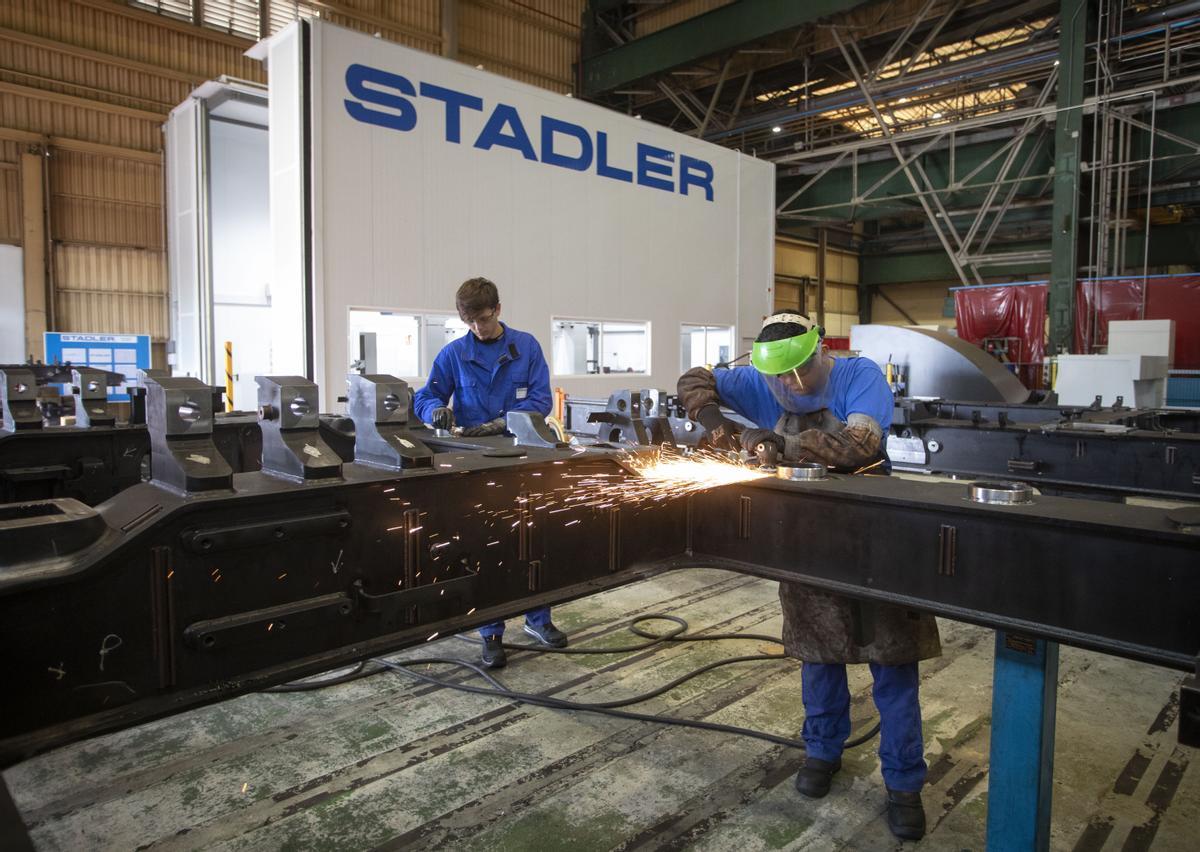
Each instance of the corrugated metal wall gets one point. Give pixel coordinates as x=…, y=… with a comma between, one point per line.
x=90, y=82
x=794, y=260
x=10, y=192
x=674, y=13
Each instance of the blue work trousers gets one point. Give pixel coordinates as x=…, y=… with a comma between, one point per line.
x=827, y=719
x=539, y=617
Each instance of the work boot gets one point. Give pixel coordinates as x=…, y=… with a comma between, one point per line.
x=493, y=653
x=905, y=815
x=547, y=634
x=815, y=776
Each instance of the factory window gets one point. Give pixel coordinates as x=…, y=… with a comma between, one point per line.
x=398, y=343
x=583, y=347
x=436, y=331
x=382, y=341
x=704, y=345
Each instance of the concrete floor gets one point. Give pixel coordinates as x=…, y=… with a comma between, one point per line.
x=387, y=763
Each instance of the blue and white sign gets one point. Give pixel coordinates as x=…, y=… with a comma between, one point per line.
x=425, y=172
x=117, y=353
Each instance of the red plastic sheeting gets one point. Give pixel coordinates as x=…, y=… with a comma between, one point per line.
x=1018, y=312
x=1176, y=297
x=838, y=343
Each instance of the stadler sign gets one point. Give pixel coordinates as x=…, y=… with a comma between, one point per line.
x=390, y=100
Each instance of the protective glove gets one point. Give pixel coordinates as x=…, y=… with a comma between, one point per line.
x=443, y=418
x=722, y=432
x=751, y=438
x=492, y=427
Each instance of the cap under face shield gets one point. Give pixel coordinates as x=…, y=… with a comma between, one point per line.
x=794, y=371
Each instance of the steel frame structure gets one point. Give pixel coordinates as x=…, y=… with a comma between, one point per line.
x=177, y=599
x=203, y=585
x=801, y=108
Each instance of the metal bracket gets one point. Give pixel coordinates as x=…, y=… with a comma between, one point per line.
x=292, y=444
x=378, y=405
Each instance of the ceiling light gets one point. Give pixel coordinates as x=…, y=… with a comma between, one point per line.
x=776, y=129
x=937, y=115
x=902, y=101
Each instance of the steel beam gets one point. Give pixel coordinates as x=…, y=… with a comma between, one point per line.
x=720, y=30
x=231, y=591
x=921, y=191
x=1068, y=139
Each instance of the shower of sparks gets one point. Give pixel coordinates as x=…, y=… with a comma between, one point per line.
x=655, y=478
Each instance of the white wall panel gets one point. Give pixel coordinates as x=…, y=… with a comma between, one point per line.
x=401, y=217
x=12, y=306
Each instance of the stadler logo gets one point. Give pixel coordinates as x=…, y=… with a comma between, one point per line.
x=652, y=166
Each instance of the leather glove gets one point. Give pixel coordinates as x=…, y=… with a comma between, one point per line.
x=492, y=427
x=722, y=432
x=751, y=438
x=443, y=418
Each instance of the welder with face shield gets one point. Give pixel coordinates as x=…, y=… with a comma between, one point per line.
x=837, y=411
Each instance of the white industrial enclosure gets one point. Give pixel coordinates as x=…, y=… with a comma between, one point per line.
x=218, y=231
x=396, y=175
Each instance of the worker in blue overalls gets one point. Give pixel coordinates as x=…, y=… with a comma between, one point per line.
x=489, y=372
x=814, y=407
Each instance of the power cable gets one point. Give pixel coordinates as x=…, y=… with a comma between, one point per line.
x=607, y=708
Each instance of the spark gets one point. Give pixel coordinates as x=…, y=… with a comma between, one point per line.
x=432, y=636
x=445, y=465
x=389, y=490
x=269, y=626
x=170, y=573
x=393, y=529
x=281, y=576
x=491, y=543
x=871, y=466
x=245, y=786
x=571, y=523
x=471, y=610
x=649, y=478
x=416, y=529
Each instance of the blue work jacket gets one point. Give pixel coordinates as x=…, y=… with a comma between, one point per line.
x=856, y=385
x=486, y=380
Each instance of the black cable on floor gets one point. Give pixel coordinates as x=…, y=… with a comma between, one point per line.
x=608, y=708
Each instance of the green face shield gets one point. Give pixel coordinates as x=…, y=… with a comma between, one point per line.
x=782, y=356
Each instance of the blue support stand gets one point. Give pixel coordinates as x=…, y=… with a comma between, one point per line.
x=1024, y=696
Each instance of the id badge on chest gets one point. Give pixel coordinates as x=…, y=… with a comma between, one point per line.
x=522, y=393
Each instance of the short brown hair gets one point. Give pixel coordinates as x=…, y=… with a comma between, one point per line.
x=476, y=295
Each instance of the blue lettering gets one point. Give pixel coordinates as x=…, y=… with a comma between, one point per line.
x=551, y=126
x=647, y=168
x=405, y=115
x=455, y=102
x=698, y=173
x=389, y=100
x=602, y=167
x=492, y=134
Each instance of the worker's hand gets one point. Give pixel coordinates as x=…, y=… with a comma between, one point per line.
x=722, y=432
x=443, y=418
x=751, y=438
x=492, y=427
